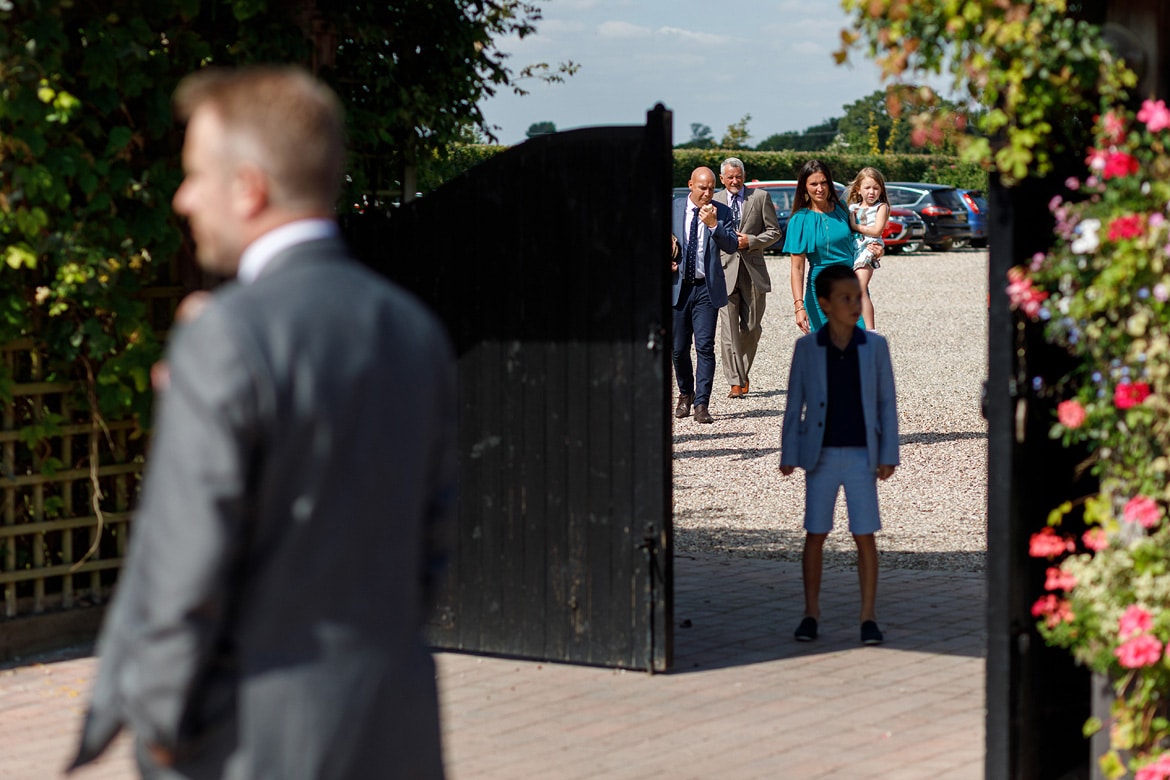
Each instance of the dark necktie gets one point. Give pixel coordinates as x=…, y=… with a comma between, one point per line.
x=692, y=248
x=735, y=210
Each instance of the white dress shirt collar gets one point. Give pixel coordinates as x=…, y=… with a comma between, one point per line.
x=261, y=251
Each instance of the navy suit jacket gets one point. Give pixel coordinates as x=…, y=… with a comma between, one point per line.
x=808, y=394
x=722, y=237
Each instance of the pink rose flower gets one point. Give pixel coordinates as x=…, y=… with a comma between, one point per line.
x=1095, y=539
x=1054, y=610
x=1022, y=295
x=1129, y=226
x=1155, y=115
x=1156, y=770
x=1048, y=544
x=1130, y=394
x=1141, y=650
x=1070, y=413
x=1134, y=620
x=1114, y=127
x=1142, y=510
x=1119, y=164
x=1058, y=579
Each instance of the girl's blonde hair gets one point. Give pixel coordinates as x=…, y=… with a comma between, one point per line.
x=854, y=193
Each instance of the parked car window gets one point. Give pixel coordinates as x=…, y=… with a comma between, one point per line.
x=899, y=197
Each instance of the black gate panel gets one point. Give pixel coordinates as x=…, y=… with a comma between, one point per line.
x=548, y=265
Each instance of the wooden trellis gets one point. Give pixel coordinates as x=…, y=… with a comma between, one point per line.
x=59, y=547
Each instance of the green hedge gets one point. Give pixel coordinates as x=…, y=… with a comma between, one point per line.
x=941, y=169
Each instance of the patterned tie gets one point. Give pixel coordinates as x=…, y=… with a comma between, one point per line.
x=692, y=248
x=735, y=210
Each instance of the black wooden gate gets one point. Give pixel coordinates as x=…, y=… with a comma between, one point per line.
x=547, y=265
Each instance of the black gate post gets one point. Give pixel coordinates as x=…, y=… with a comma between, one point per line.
x=1037, y=698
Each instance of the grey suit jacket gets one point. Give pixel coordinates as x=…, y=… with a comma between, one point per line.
x=296, y=508
x=808, y=393
x=722, y=238
x=758, y=220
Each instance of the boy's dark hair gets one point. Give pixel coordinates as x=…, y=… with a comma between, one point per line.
x=824, y=283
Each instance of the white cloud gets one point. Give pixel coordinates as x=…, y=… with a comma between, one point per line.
x=623, y=30
x=706, y=39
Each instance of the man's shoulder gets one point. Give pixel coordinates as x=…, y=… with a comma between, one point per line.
x=754, y=193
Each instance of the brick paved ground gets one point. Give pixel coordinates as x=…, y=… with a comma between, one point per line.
x=745, y=700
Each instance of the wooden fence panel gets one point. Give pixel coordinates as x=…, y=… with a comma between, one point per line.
x=67, y=485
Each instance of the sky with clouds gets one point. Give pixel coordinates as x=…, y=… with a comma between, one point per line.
x=709, y=61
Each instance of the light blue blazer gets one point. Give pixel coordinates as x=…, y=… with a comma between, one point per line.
x=808, y=395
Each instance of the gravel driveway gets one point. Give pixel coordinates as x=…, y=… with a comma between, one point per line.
x=729, y=496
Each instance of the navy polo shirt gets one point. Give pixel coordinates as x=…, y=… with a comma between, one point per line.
x=844, y=417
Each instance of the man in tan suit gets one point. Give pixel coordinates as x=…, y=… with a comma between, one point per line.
x=746, y=274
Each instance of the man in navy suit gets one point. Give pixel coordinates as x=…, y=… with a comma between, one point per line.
x=698, y=289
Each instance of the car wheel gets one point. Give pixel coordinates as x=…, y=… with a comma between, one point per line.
x=944, y=246
x=960, y=243
x=908, y=247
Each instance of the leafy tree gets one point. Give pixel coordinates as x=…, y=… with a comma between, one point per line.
x=812, y=139
x=874, y=123
x=540, y=128
x=701, y=138
x=736, y=136
x=89, y=150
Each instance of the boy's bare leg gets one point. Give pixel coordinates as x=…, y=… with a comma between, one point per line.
x=811, y=563
x=867, y=573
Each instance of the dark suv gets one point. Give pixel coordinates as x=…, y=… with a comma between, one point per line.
x=940, y=207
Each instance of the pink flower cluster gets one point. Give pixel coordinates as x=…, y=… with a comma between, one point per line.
x=1129, y=226
x=1070, y=414
x=1139, y=648
x=1142, y=510
x=1022, y=295
x=1054, y=610
x=1114, y=127
x=1046, y=543
x=1058, y=579
x=1159, y=769
x=1134, y=620
x=1112, y=164
x=1095, y=539
x=1155, y=115
x=1130, y=394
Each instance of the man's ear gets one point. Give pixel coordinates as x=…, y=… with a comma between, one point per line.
x=250, y=190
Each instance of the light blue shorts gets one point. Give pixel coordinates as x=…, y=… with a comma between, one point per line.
x=846, y=467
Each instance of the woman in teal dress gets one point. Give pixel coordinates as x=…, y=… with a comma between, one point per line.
x=818, y=236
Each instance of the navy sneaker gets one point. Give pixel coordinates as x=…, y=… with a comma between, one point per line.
x=807, y=630
x=870, y=633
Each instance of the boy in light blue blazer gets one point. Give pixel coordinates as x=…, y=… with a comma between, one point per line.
x=841, y=427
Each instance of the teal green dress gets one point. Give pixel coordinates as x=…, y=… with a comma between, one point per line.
x=825, y=239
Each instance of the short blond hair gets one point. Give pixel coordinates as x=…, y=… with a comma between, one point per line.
x=279, y=118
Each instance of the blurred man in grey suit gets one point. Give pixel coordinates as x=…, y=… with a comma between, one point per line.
x=299, y=489
x=746, y=274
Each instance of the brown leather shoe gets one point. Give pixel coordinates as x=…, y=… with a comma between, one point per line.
x=701, y=414
x=684, y=405
x=744, y=388
x=736, y=392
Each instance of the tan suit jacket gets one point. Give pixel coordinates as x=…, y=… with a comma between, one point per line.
x=758, y=221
